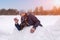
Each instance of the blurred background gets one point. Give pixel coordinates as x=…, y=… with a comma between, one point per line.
x=37, y=7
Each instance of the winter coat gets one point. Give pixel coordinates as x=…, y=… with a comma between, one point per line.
x=30, y=20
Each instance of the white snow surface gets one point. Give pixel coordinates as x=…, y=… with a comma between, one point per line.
x=49, y=31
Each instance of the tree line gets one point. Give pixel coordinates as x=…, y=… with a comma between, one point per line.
x=9, y=12
x=38, y=11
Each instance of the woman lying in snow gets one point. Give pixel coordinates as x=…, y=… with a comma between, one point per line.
x=27, y=20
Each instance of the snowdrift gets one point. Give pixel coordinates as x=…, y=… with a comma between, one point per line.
x=49, y=31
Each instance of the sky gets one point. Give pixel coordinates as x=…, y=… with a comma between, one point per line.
x=28, y=4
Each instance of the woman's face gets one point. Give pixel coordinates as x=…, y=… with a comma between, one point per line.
x=22, y=14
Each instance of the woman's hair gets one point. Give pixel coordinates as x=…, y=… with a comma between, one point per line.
x=25, y=15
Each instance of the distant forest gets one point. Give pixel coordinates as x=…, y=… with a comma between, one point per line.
x=38, y=11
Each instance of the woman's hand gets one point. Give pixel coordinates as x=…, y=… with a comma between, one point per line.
x=16, y=20
x=32, y=30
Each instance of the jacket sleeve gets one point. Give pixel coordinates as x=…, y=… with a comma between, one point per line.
x=35, y=20
x=22, y=19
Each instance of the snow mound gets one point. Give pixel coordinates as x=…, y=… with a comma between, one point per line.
x=49, y=31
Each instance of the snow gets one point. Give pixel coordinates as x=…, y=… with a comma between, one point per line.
x=49, y=31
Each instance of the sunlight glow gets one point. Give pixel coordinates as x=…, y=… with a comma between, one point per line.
x=57, y=3
x=49, y=4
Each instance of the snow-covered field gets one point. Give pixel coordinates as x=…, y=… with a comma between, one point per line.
x=49, y=31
